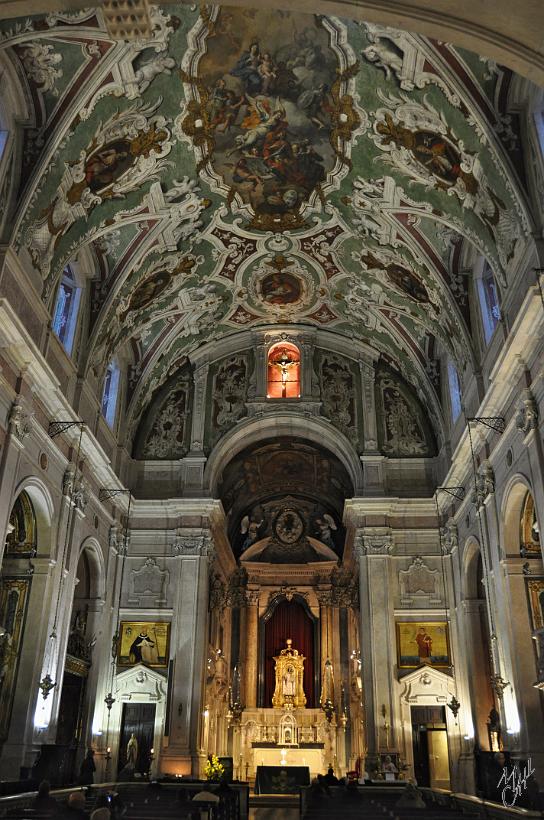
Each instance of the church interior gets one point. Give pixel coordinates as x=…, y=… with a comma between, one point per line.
x=271, y=395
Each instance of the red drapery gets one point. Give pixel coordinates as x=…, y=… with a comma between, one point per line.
x=289, y=620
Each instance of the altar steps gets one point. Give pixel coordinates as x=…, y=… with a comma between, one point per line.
x=274, y=807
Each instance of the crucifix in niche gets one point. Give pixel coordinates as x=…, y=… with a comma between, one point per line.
x=283, y=371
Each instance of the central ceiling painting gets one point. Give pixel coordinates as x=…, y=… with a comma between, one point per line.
x=270, y=109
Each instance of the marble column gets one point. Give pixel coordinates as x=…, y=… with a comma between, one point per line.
x=183, y=754
x=19, y=427
x=373, y=549
x=251, y=648
x=25, y=737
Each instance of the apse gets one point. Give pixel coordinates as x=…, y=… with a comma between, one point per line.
x=285, y=496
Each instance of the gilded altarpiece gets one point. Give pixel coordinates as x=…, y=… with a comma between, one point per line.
x=14, y=594
x=289, y=691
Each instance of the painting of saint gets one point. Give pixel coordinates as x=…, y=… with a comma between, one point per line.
x=105, y=165
x=438, y=155
x=422, y=643
x=280, y=288
x=141, y=642
x=405, y=280
x=269, y=105
x=147, y=292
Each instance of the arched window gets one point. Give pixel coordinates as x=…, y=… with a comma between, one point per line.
x=283, y=372
x=66, y=309
x=455, y=391
x=489, y=299
x=3, y=141
x=109, y=395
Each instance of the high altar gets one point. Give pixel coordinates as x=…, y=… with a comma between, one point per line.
x=289, y=734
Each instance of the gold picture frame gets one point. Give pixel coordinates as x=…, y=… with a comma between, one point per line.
x=423, y=643
x=146, y=642
x=535, y=589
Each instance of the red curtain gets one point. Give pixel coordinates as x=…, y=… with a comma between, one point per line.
x=289, y=620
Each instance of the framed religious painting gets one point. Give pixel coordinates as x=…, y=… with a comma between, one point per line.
x=143, y=642
x=535, y=588
x=421, y=643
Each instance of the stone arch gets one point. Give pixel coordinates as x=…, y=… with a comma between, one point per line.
x=93, y=552
x=510, y=514
x=253, y=431
x=44, y=511
x=471, y=558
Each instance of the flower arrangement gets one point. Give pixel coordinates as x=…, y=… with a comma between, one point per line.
x=214, y=769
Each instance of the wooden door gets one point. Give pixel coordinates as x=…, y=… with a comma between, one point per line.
x=139, y=720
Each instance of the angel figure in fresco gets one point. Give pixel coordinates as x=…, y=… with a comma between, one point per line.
x=250, y=528
x=325, y=526
x=259, y=122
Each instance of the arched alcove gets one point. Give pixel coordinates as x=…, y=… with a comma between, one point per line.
x=288, y=619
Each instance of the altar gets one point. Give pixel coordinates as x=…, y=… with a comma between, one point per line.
x=310, y=757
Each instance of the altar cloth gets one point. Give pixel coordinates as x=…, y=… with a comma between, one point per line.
x=281, y=779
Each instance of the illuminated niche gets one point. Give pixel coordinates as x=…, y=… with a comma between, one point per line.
x=283, y=381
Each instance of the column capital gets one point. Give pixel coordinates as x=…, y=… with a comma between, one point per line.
x=20, y=419
x=373, y=541
x=527, y=412
x=198, y=544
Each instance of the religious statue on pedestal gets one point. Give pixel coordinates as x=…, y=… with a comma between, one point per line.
x=289, y=691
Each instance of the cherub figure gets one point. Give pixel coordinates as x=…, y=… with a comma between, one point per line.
x=325, y=525
x=250, y=528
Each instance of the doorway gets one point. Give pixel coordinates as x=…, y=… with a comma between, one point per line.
x=430, y=746
x=138, y=719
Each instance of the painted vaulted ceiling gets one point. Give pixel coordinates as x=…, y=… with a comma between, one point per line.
x=245, y=167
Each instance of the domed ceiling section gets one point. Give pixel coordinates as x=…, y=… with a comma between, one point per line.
x=249, y=167
x=284, y=501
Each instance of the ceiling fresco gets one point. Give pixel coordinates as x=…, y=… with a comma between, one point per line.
x=243, y=168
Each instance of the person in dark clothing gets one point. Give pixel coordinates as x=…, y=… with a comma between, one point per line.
x=330, y=778
x=43, y=803
x=88, y=768
x=75, y=807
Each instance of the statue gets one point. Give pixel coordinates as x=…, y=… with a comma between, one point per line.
x=289, y=690
x=132, y=751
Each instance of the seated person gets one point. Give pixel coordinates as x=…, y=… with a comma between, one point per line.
x=330, y=778
x=43, y=803
x=75, y=807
